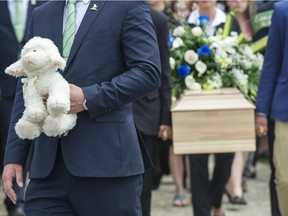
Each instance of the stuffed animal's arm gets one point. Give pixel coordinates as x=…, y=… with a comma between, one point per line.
x=16, y=69
x=59, y=96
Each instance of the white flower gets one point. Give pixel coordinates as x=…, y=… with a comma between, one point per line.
x=191, y=57
x=224, y=62
x=231, y=50
x=178, y=42
x=179, y=31
x=191, y=84
x=215, y=81
x=172, y=63
x=247, y=51
x=201, y=67
x=196, y=87
x=241, y=78
x=189, y=81
x=196, y=31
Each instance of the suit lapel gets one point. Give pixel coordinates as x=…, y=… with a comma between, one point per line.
x=4, y=11
x=57, y=23
x=86, y=23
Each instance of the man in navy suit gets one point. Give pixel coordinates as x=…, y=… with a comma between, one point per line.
x=272, y=99
x=96, y=169
x=10, y=47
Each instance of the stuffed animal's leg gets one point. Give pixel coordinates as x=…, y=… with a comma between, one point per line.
x=59, y=125
x=26, y=129
x=35, y=108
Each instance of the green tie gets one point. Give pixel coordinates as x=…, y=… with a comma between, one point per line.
x=70, y=28
x=19, y=24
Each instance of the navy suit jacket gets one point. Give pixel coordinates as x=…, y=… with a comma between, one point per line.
x=115, y=60
x=272, y=96
x=9, y=51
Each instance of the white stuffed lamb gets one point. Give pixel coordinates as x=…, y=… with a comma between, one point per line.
x=46, y=93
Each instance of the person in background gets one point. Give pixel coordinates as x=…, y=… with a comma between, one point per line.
x=246, y=13
x=207, y=194
x=270, y=105
x=152, y=112
x=242, y=25
x=14, y=19
x=112, y=59
x=178, y=165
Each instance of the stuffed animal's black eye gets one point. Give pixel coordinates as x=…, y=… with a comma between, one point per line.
x=34, y=50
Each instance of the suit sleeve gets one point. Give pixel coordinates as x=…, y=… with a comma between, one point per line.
x=141, y=54
x=16, y=149
x=272, y=64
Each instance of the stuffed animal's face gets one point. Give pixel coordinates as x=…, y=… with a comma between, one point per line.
x=40, y=55
x=34, y=59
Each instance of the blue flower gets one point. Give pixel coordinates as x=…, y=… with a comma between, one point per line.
x=204, y=19
x=204, y=50
x=170, y=40
x=183, y=71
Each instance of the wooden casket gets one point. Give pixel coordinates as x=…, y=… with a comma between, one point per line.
x=212, y=122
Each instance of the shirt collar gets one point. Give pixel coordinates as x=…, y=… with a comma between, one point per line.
x=84, y=1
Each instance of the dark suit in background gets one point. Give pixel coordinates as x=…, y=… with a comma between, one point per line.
x=153, y=110
x=9, y=52
x=257, y=36
x=96, y=169
x=270, y=104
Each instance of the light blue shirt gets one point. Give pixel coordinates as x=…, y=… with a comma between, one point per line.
x=12, y=11
x=81, y=8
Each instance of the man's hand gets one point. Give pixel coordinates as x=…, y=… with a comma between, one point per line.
x=76, y=99
x=165, y=132
x=261, y=125
x=10, y=172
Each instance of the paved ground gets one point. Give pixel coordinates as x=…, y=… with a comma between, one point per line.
x=257, y=197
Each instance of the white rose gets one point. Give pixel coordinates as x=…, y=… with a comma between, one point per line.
x=196, y=31
x=172, y=63
x=178, y=42
x=179, y=31
x=191, y=57
x=201, y=67
x=189, y=81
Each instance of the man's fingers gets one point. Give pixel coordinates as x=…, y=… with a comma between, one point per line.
x=8, y=188
x=12, y=172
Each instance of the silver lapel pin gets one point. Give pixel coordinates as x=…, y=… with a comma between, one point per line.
x=94, y=7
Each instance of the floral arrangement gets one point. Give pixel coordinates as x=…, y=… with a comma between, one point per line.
x=199, y=61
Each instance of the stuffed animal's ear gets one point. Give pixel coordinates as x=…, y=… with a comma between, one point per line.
x=15, y=69
x=58, y=61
